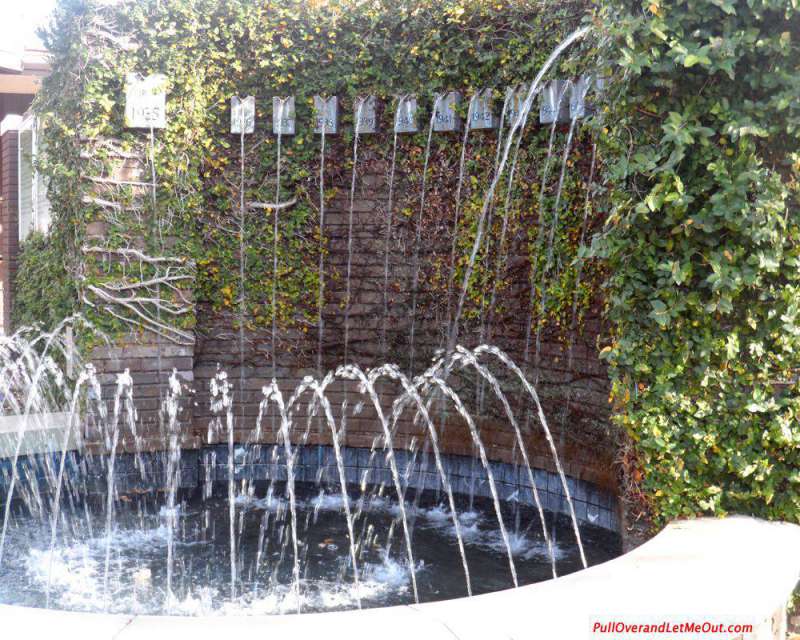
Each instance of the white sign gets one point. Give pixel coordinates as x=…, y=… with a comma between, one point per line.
x=367, y=114
x=283, y=116
x=405, y=118
x=243, y=115
x=554, y=106
x=326, y=114
x=481, y=115
x=445, y=117
x=581, y=103
x=145, y=101
x=515, y=103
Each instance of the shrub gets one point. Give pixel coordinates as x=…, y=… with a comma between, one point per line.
x=701, y=151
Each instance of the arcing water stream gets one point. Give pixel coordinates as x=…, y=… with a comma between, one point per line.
x=418, y=239
x=96, y=519
x=348, y=277
x=124, y=559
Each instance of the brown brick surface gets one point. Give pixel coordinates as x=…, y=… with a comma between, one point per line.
x=573, y=388
x=9, y=233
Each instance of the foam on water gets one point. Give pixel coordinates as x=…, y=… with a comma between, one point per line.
x=522, y=545
x=76, y=574
x=267, y=503
x=438, y=516
x=378, y=579
x=139, y=542
x=439, y=513
x=72, y=570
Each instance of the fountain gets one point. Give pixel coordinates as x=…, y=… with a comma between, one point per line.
x=302, y=520
x=296, y=536
x=293, y=510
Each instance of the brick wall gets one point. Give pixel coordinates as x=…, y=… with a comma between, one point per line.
x=150, y=362
x=9, y=233
x=575, y=397
x=150, y=359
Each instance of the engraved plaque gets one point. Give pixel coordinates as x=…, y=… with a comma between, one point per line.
x=577, y=97
x=145, y=101
x=580, y=103
x=405, y=119
x=366, y=114
x=515, y=101
x=283, y=119
x=326, y=113
x=480, y=113
x=554, y=105
x=445, y=117
x=243, y=115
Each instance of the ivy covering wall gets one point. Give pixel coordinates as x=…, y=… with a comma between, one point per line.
x=698, y=147
x=700, y=140
x=106, y=222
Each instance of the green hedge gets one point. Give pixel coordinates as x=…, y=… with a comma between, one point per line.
x=701, y=148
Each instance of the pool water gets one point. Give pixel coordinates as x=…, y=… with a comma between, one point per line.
x=136, y=580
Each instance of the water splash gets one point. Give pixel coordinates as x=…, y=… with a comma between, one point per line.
x=489, y=197
x=321, y=268
x=418, y=240
x=124, y=384
x=348, y=286
x=281, y=516
x=387, y=249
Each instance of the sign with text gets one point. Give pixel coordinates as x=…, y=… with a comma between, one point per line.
x=405, y=119
x=554, y=105
x=480, y=114
x=326, y=115
x=283, y=119
x=243, y=115
x=367, y=114
x=146, y=101
x=445, y=117
x=584, y=89
x=515, y=101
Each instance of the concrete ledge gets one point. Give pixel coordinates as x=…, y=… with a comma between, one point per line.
x=10, y=123
x=728, y=570
x=44, y=432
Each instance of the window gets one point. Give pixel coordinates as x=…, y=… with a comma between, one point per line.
x=34, y=207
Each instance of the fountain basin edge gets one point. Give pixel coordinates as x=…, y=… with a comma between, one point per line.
x=594, y=504
x=717, y=570
x=40, y=431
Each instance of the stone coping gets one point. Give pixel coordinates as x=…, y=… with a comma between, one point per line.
x=717, y=570
x=41, y=431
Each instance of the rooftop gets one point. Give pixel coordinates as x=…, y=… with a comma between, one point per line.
x=21, y=71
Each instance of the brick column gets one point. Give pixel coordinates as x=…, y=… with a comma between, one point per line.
x=9, y=213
